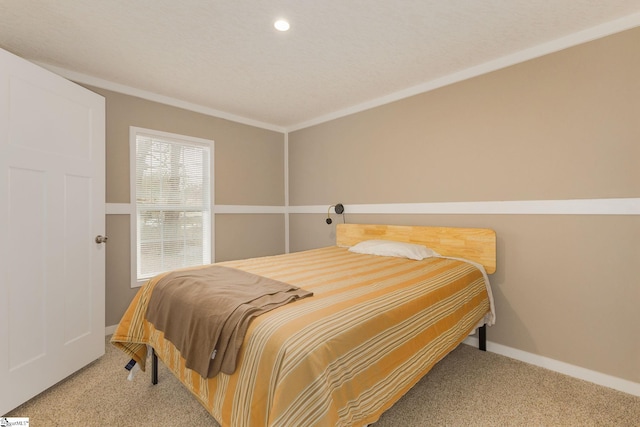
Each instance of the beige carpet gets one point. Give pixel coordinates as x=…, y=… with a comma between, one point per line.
x=467, y=388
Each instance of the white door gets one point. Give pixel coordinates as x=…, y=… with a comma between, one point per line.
x=52, y=198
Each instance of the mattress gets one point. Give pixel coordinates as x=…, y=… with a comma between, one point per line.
x=373, y=328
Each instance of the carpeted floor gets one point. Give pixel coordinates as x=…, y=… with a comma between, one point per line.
x=467, y=388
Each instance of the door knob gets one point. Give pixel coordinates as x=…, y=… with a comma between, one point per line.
x=101, y=239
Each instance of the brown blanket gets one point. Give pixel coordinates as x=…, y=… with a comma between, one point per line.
x=207, y=309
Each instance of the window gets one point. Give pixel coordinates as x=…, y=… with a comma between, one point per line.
x=171, y=186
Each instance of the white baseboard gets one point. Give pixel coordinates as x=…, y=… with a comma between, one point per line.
x=109, y=330
x=595, y=377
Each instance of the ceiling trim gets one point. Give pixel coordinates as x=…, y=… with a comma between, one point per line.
x=590, y=34
x=151, y=96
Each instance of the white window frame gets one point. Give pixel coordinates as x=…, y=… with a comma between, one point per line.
x=183, y=139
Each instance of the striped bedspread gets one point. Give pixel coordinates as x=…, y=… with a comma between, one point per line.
x=373, y=328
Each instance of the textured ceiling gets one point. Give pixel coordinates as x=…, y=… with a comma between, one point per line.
x=225, y=55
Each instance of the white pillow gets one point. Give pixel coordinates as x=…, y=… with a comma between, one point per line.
x=391, y=248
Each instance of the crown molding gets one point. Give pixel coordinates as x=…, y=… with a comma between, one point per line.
x=150, y=96
x=581, y=37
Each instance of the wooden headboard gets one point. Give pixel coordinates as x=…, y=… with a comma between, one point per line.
x=475, y=244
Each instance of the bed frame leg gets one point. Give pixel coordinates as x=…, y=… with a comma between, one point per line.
x=154, y=367
x=482, y=337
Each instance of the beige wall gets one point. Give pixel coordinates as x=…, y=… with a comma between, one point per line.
x=248, y=168
x=563, y=126
x=249, y=236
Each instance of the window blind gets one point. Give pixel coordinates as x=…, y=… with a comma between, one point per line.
x=172, y=203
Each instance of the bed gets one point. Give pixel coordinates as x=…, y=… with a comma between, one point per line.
x=374, y=327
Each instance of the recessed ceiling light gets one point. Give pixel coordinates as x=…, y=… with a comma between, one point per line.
x=281, y=25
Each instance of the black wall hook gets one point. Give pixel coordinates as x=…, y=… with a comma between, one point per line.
x=338, y=208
